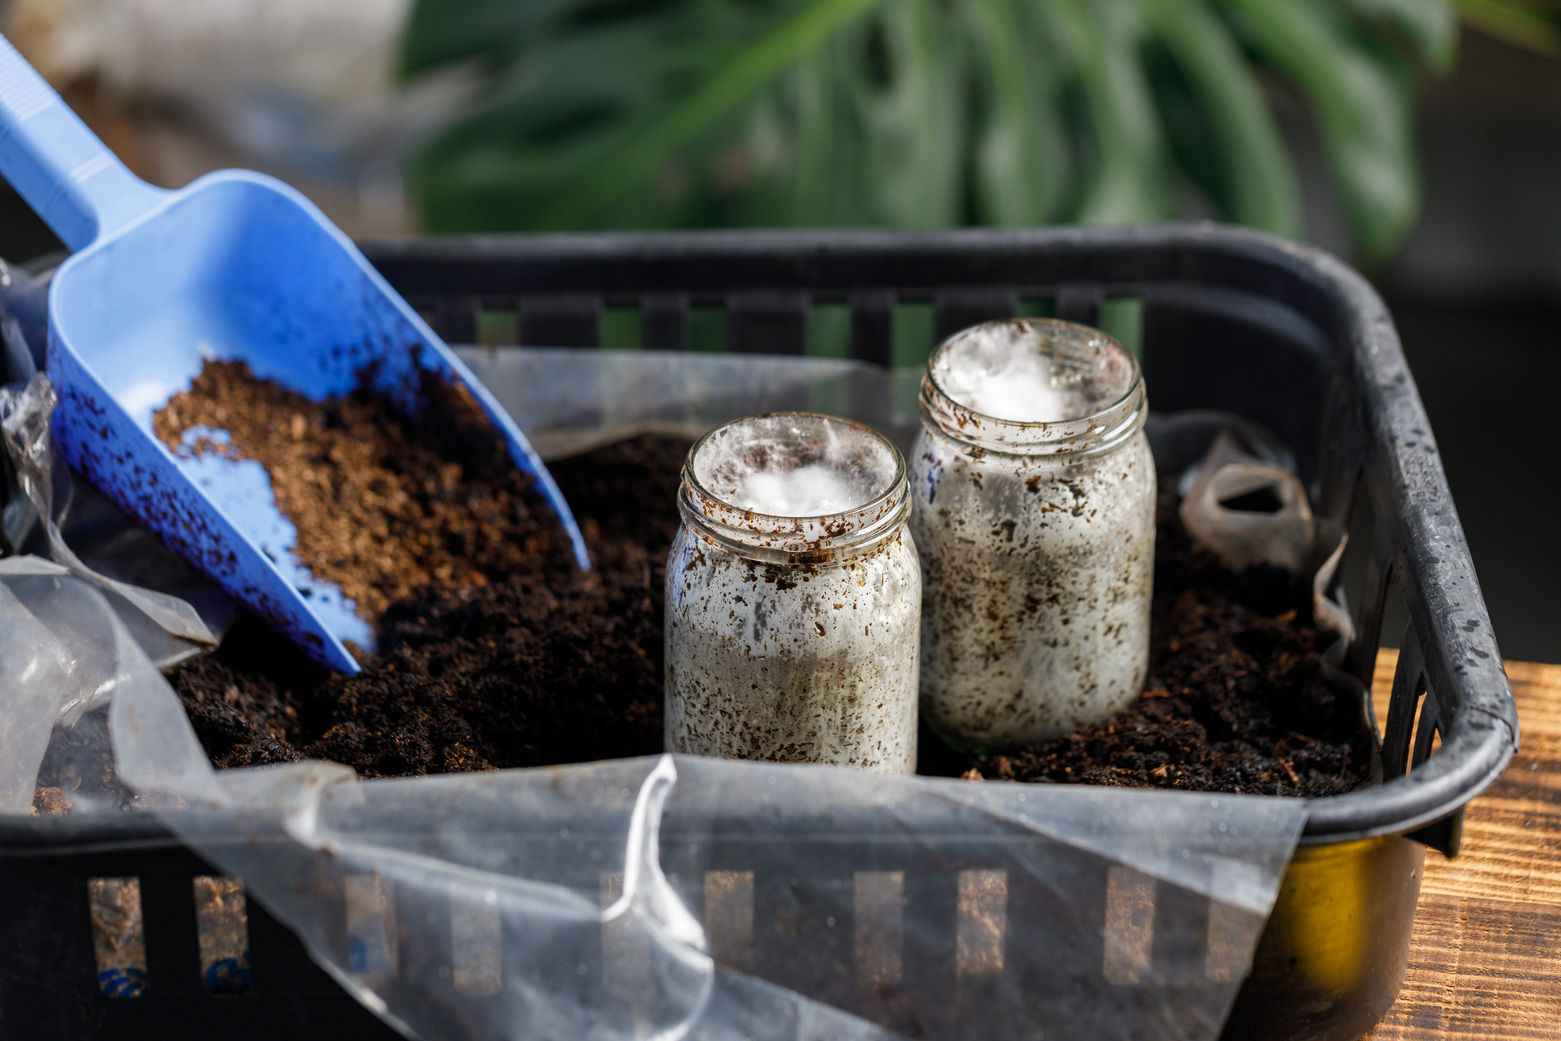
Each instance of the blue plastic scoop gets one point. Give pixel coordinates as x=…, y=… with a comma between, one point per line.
x=234, y=266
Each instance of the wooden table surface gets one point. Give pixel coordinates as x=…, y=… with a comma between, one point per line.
x=1486, y=954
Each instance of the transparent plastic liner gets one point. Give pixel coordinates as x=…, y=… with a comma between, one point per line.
x=623, y=899
x=669, y=897
x=64, y=655
x=570, y=401
x=169, y=626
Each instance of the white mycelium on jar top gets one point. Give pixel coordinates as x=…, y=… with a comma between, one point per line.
x=1033, y=495
x=794, y=597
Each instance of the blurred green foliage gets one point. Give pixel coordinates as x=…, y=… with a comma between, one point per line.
x=1531, y=24
x=920, y=113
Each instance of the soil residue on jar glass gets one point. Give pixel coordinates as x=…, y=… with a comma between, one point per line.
x=793, y=599
x=549, y=666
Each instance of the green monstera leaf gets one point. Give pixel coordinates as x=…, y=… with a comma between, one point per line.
x=919, y=113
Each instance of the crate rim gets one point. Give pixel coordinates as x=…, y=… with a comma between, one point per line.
x=1461, y=646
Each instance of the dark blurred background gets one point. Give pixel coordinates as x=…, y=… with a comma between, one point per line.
x=1454, y=210
x=1476, y=294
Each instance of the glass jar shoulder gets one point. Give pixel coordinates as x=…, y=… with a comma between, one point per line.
x=723, y=580
x=950, y=475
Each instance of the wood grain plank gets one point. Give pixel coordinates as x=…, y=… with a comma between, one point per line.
x=1485, y=961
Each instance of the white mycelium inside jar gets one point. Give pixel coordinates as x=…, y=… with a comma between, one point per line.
x=793, y=598
x=995, y=376
x=810, y=490
x=1033, y=510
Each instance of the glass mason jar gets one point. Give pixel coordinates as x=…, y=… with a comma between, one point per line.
x=1033, y=495
x=794, y=597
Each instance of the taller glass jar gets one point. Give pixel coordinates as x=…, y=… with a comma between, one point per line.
x=794, y=597
x=1033, y=495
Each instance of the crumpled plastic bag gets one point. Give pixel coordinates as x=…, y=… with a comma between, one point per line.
x=1280, y=531
x=64, y=655
x=1247, y=508
x=169, y=627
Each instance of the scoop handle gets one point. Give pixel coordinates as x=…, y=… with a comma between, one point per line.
x=69, y=177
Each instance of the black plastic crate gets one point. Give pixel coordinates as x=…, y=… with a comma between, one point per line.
x=1231, y=320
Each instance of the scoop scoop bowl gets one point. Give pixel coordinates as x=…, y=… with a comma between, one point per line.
x=235, y=266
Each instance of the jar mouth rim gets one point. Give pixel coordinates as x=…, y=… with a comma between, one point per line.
x=1096, y=430
x=897, y=478
x=777, y=538
x=1088, y=417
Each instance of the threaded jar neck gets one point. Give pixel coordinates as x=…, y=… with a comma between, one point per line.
x=1034, y=386
x=794, y=488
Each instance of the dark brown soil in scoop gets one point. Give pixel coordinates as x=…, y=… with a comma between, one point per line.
x=535, y=664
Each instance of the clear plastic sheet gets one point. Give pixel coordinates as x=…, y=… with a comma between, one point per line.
x=171, y=628
x=35, y=673
x=571, y=401
x=669, y=897
x=683, y=897
x=66, y=656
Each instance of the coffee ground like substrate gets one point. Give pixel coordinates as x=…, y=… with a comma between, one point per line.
x=494, y=650
x=382, y=508
x=1237, y=699
x=553, y=667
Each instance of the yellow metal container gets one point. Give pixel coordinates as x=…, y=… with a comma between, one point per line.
x=1333, y=954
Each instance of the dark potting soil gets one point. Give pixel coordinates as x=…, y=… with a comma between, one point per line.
x=1236, y=699
x=538, y=666
x=544, y=665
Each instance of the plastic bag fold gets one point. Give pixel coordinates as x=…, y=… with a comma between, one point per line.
x=25, y=424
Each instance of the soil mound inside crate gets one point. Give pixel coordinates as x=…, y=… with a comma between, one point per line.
x=1237, y=699
x=550, y=666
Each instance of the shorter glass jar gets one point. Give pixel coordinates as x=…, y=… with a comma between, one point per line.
x=794, y=597
x=1033, y=494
